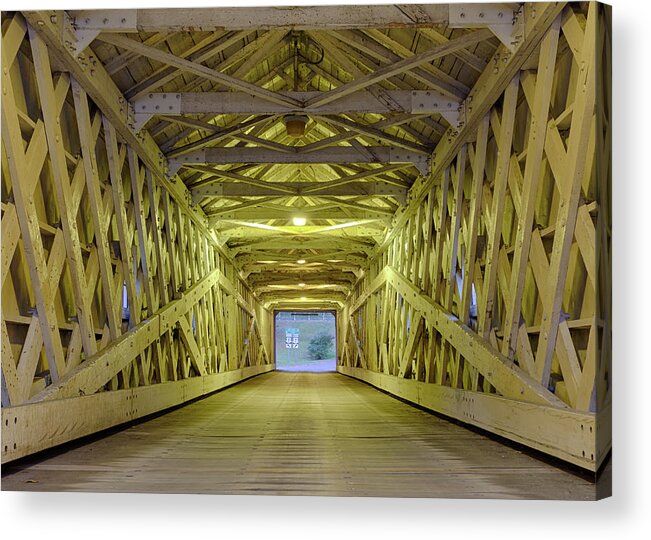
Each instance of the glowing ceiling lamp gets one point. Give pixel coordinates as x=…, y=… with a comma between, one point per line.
x=301, y=284
x=299, y=221
x=300, y=261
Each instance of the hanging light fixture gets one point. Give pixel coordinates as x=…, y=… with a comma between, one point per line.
x=299, y=221
x=295, y=123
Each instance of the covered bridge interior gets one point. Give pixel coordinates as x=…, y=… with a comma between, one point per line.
x=438, y=175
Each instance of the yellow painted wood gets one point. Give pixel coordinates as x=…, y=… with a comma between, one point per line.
x=300, y=434
x=88, y=208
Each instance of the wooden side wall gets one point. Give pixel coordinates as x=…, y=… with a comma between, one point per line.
x=110, y=288
x=498, y=284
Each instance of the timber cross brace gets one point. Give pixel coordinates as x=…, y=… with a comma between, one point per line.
x=447, y=194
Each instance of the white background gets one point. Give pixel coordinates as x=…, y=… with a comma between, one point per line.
x=624, y=516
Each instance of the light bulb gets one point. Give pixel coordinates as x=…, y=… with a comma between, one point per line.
x=300, y=261
x=299, y=221
x=301, y=284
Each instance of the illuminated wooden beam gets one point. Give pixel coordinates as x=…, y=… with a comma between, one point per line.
x=276, y=181
x=307, y=289
x=301, y=244
x=299, y=294
x=274, y=271
x=261, y=18
x=288, y=212
x=311, y=189
x=326, y=257
x=240, y=103
x=351, y=229
x=332, y=155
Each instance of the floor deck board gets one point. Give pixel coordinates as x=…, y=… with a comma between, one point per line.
x=299, y=434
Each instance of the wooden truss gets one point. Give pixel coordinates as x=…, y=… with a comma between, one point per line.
x=497, y=267
x=112, y=290
x=454, y=175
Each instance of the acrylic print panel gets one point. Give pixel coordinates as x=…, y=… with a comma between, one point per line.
x=431, y=180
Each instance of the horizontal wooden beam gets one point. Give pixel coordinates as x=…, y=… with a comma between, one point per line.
x=334, y=278
x=29, y=428
x=302, y=244
x=352, y=229
x=240, y=103
x=261, y=18
x=336, y=255
x=291, y=305
x=269, y=272
x=288, y=212
x=332, y=155
x=306, y=290
x=278, y=181
x=306, y=189
x=563, y=433
x=308, y=295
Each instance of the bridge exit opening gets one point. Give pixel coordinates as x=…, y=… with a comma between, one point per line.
x=305, y=341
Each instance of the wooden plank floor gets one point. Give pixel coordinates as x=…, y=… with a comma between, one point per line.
x=299, y=434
